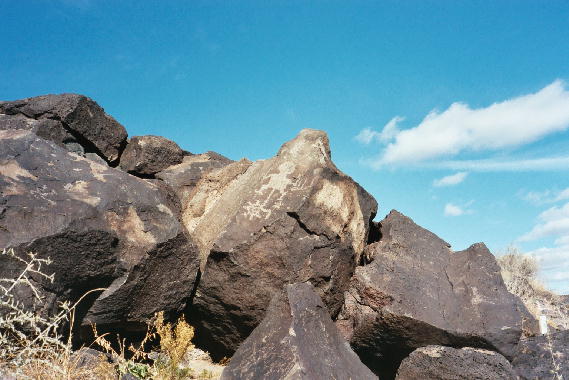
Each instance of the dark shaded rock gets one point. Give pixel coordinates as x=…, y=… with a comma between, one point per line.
x=543, y=357
x=417, y=292
x=296, y=340
x=101, y=227
x=292, y=218
x=446, y=363
x=184, y=177
x=147, y=155
x=88, y=358
x=70, y=120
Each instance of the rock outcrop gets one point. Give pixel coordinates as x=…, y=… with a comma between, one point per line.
x=292, y=218
x=447, y=363
x=100, y=226
x=70, y=120
x=145, y=156
x=543, y=357
x=184, y=177
x=296, y=340
x=417, y=292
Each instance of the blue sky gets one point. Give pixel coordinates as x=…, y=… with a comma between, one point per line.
x=453, y=112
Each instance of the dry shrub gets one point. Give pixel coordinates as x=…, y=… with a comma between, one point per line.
x=519, y=272
x=167, y=364
x=31, y=345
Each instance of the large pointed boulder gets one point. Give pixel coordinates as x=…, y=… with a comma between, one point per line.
x=70, y=120
x=292, y=218
x=416, y=292
x=101, y=227
x=296, y=340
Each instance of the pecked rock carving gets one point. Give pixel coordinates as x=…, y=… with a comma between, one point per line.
x=259, y=225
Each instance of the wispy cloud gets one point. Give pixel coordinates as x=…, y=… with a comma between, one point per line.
x=450, y=180
x=512, y=165
x=552, y=222
x=554, y=261
x=389, y=131
x=554, y=266
x=543, y=197
x=453, y=210
x=459, y=128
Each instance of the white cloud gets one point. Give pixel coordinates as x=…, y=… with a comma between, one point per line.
x=554, y=267
x=453, y=210
x=554, y=261
x=389, y=131
x=450, y=180
x=366, y=136
x=513, y=122
x=553, y=222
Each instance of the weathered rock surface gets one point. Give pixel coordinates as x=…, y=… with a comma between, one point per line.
x=447, y=363
x=543, y=357
x=296, y=340
x=70, y=120
x=292, y=218
x=100, y=226
x=417, y=292
x=183, y=178
x=147, y=155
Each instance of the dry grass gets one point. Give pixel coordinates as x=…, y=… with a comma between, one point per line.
x=32, y=345
x=519, y=272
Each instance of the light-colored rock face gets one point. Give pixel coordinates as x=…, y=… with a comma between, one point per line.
x=231, y=203
x=293, y=217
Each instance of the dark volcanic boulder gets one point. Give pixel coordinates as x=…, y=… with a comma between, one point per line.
x=147, y=155
x=417, y=292
x=292, y=218
x=543, y=357
x=70, y=120
x=447, y=363
x=100, y=226
x=296, y=340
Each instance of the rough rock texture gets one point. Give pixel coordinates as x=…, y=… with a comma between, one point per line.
x=292, y=218
x=543, y=357
x=417, y=292
x=183, y=178
x=70, y=120
x=446, y=363
x=100, y=226
x=147, y=155
x=296, y=340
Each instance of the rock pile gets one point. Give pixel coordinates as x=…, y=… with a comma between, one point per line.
x=260, y=256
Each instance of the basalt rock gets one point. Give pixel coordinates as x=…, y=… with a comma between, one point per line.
x=543, y=357
x=101, y=227
x=70, y=120
x=417, y=292
x=292, y=218
x=147, y=155
x=447, y=363
x=296, y=340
